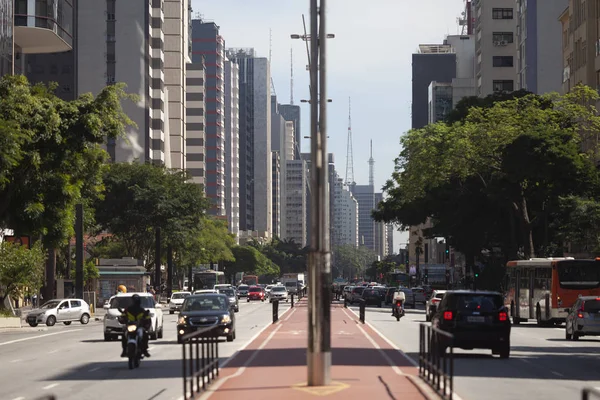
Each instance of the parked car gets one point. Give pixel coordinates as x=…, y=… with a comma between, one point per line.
x=583, y=318
x=256, y=293
x=432, y=303
x=176, y=301
x=476, y=319
x=232, y=296
x=113, y=329
x=61, y=310
x=205, y=310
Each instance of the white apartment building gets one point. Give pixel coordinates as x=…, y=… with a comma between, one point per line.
x=293, y=219
x=345, y=211
x=195, y=122
x=277, y=178
x=232, y=146
x=177, y=53
x=124, y=41
x=496, y=52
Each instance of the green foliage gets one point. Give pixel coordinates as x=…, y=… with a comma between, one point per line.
x=141, y=197
x=90, y=272
x=51, y=156
x=210, y=243
x=249, y=260
x=20, y=268
x=286, y=254
x=579, y=223
x=492, y=177
x=351, y=261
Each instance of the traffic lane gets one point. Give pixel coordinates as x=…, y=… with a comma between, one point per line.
x=542, y=364
x=95, y=368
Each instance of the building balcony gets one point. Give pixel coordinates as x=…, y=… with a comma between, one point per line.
x=43, y=26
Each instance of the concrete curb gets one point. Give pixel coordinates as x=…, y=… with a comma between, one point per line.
x=423, y=387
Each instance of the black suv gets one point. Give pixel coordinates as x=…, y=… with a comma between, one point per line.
x=478, y=320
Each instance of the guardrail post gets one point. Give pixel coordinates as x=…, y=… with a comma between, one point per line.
x=292, y=300
x=276, y=310
x=345, y=302
x=436, y=365
x=362, y=308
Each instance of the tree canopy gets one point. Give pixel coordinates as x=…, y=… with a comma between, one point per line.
x=20, y=269
x=498, y=178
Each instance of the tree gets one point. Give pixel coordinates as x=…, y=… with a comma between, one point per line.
x=352, y=261
x=141, y=197
x=211, y=243
x=249, y=260
x=20, y=268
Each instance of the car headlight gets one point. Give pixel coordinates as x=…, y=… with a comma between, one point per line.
x=181, y=320
x=131, y=328
x=225, y=319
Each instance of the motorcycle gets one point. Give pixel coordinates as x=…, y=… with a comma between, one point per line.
x=134, y=332
x=398, y=302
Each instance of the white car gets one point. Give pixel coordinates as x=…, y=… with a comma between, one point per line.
x=268, y=290
x=222, y=286
x=176, y=301
x=278, y=293
x=202, y=291
x=113, y=329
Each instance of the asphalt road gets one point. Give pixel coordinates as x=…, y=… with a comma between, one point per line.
x=542, y=364
x=74, y=362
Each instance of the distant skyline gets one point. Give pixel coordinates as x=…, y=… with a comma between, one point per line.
x=369, y=61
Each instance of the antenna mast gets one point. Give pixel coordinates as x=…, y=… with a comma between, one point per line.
x=371, y=168
x=270, y=53
x=291, y=76
x=349, y=152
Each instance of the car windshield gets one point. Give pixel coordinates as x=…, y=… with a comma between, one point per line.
x=227, y=292
x=243, y=287
x=205, y=303
x=255, y=289
x=278, y=289
x=476, y=302
x=126, y=301
x=179, y=295
x=49, y=305
x=591, y=306
x=578, y=274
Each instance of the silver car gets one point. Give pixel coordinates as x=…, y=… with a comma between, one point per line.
x=583, y=318
x=242, y=290
x=278, y=293
x=231, y=294
x=61, y=310
x=176, y=301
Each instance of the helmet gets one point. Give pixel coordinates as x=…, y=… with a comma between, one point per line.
x=137, y=300
x=122, y=289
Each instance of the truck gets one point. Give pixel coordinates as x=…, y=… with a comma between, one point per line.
x=293, y=282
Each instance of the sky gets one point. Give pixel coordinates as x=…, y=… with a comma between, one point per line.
x=368, y=61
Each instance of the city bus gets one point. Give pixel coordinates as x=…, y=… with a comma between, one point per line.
x=545, y=289
x=250, y=280
x=208, y=279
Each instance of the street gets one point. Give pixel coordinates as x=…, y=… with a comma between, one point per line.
x=542, y=364
x=74, y=362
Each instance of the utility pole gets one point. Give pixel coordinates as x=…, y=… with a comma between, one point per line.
x=319, y=267
x=79, y=251
x=157, y=272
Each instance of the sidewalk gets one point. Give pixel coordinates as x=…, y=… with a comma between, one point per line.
x=273, y=366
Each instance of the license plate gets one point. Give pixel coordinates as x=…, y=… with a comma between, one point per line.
x=476, y=319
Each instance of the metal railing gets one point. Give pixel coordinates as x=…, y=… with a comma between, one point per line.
x=590, y=394
x=200, y=361
x=436, y=365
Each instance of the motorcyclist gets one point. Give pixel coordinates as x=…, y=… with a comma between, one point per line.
x=135, y=313
x=121, y=289
x=398, y=296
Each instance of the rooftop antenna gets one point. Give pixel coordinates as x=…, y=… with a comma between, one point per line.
x=371, y=168
x=349, y=181
x=270, y=54
x=291, y=76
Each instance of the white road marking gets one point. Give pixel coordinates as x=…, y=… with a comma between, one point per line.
x=39, y=336
x=94, y=369
x=557, y=373
x=17, y=360
x=19, y=398
x=53, y=351
x=50, y=386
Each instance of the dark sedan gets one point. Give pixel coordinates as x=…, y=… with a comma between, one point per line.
x=207, y=310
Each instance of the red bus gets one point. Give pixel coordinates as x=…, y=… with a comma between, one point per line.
x=545, y=289
x=250, y=280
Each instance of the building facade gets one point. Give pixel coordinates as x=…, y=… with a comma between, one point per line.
x=440, y=101
x=365, y=196
x=276, y=193
x=232, y=146
x=539, y=45
x=256, y=185
x=294, y=223
x=496, y=52
x=345, y=210
x=209, y=44
x=6, y=37
x=132, y=53
x=291, y=112
x=381, y=233
x=195, y=122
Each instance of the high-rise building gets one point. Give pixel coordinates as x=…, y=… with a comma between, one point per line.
x=195, y=121
x=390, y=238
x=345, y=211
x=276, y=193
x=381, y=233
x=365, y=196
x=495, y=31
x=22, y=35
x=433, y=62
x=539, y=45
x=291, y=112
x=232, y=146
x=294, y=224
x=255, y=142
x=208, y=43
x=178, y=52
x=131, y=52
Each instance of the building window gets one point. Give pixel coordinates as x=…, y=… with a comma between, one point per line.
x=503, y=61
x=506, y=37
x=502, y=13
x=503, y=86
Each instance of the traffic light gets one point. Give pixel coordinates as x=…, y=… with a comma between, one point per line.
x=426, y=275
x=447, y=251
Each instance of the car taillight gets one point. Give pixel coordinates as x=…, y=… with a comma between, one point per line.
x=579, y=315
x=448, y=315
x=502, y=316
x=435, y=301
